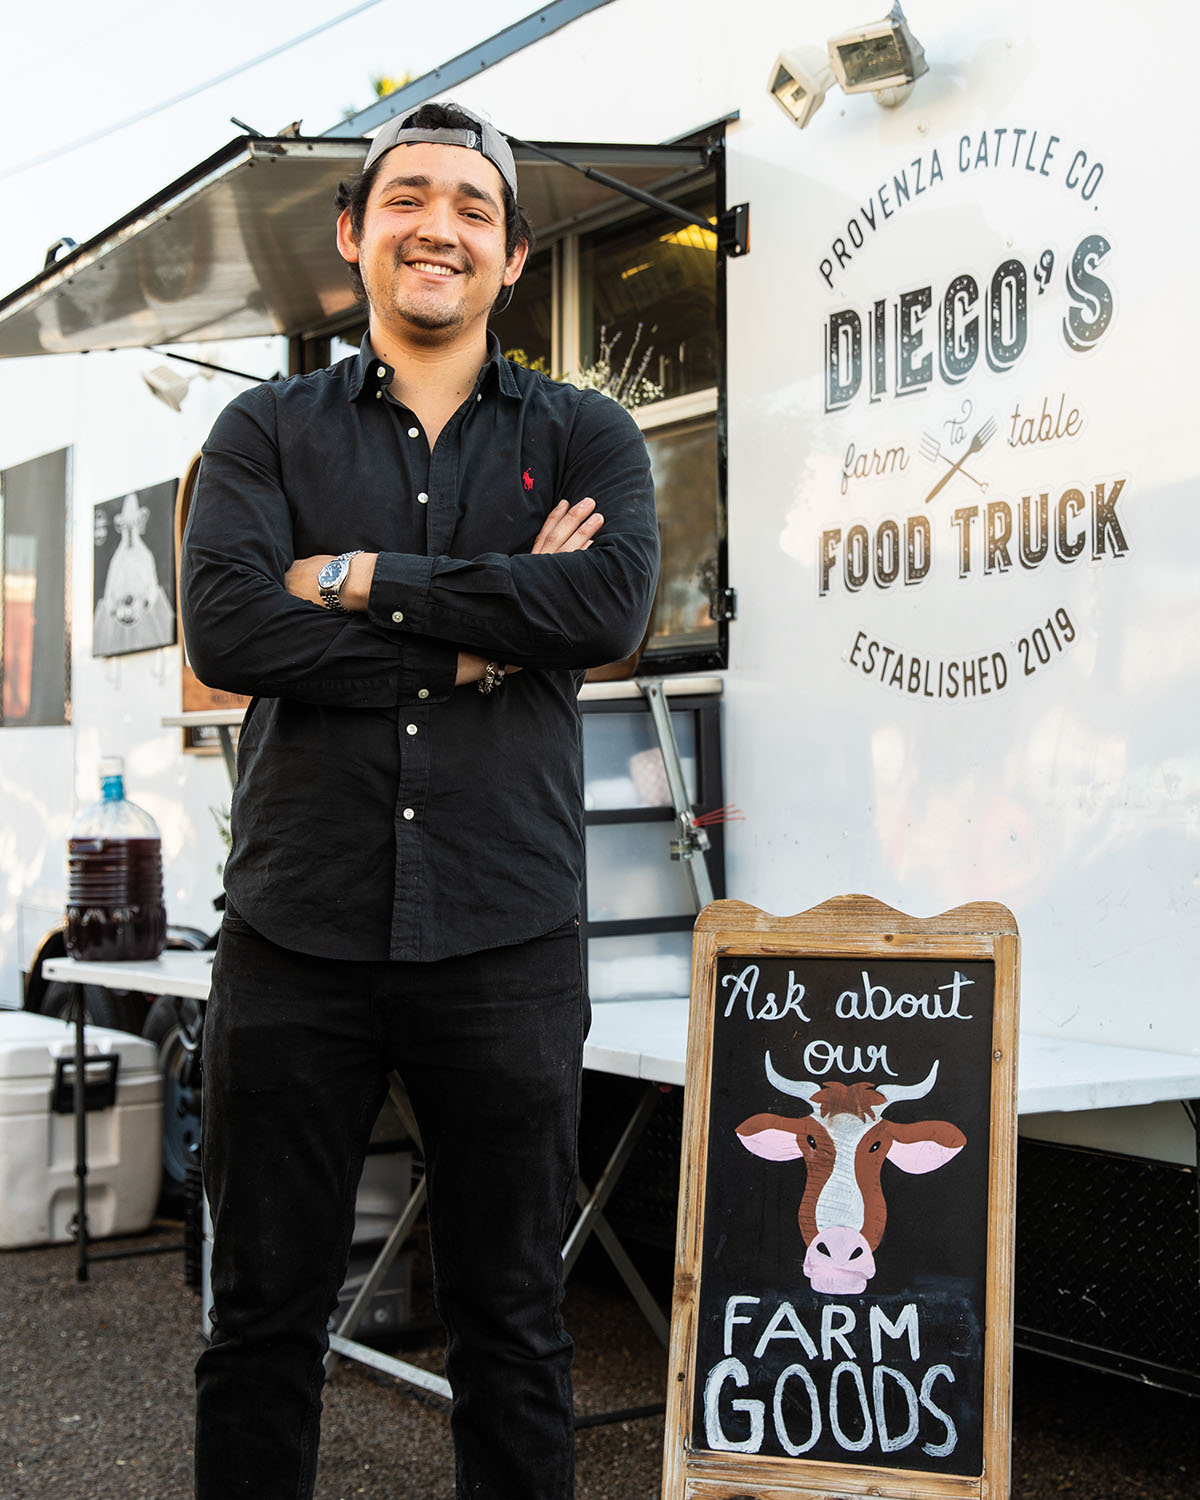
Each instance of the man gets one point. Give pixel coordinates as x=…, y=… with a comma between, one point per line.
x=404, y=560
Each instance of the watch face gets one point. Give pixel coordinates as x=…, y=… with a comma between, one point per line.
x=332, y=573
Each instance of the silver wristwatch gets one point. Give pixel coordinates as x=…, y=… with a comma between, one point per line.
x=330, y=580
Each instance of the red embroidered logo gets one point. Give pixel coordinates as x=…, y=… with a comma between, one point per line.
x=527, y=479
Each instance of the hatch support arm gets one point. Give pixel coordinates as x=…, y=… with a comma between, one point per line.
x=733, y=226
x=692, y=841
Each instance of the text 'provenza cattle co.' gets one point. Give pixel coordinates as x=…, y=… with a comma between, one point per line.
x=862, y=1104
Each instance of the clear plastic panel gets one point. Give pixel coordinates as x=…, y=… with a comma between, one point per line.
x=631, y=875
x=623, y=765
x=683, y=459
x=654, y=966
x=648, y=290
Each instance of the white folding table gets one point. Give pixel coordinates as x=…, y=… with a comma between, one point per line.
x=647, y=1040
x=654, y=1042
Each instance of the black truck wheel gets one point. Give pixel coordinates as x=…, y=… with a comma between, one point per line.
x=173, y=1025
x=122, y=1010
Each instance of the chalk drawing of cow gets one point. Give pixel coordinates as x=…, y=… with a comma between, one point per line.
x=844, y=1143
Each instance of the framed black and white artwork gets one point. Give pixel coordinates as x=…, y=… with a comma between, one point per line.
x=134, y=580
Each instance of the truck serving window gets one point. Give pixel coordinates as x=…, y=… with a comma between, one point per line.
x=632, y=308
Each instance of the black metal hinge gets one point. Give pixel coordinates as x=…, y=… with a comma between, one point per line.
x=733, y=230
x=723, y=604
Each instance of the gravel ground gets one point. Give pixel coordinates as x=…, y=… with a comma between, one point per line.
x=96, y=1391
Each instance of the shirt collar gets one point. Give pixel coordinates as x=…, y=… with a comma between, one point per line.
x=371, y=374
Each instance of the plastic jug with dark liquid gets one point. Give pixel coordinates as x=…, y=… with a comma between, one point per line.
x=115, y=893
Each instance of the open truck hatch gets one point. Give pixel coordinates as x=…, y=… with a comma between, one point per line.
x=242, y=246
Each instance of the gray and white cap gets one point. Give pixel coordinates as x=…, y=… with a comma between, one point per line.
x=481, y=137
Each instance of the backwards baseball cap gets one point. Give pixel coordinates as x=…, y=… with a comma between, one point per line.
x=480, y=136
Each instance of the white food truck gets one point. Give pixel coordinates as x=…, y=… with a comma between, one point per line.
x=924, y=432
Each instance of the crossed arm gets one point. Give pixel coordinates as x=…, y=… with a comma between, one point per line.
x=568, y=528
x=419, y=625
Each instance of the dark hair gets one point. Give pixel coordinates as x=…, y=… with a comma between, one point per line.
x=354, y=193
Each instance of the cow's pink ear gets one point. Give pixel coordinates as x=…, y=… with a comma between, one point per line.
x=924, y=1147
x=770, y=1136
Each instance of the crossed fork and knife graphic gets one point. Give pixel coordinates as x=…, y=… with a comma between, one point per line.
x=932, y=450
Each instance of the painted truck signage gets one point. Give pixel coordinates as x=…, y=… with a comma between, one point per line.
x=961, y=436
x=968, y=486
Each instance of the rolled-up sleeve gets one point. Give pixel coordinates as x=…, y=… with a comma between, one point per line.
x=244, y=632
x=563, y=610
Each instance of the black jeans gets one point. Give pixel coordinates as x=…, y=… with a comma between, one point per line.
x=296, y=1056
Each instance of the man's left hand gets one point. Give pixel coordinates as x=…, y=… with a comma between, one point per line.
x=569, y=528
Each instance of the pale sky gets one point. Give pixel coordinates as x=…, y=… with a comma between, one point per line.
x=69, y=70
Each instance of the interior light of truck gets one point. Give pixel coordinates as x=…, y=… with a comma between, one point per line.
x=692, y=237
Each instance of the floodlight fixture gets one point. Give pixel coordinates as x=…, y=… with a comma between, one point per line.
x=800, y=79
x=883, y=58
x=170, y=386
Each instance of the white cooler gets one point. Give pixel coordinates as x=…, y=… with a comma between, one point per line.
x=37, y=1144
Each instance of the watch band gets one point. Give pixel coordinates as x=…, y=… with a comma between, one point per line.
x=331, y=597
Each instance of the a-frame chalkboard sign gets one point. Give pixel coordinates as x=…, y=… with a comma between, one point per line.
x=842, y=1321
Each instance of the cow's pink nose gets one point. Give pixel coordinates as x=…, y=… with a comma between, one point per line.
x=839, y=1260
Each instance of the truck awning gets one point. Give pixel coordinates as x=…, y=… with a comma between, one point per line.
x=243, y=246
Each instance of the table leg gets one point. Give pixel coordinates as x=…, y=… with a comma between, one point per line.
x=342, y=1344
x=227, y=751
x=81, y=1219
x=591, y=1219
x=371, y=1281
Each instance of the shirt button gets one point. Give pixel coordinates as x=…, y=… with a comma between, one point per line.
x=410, y=729
x=397, y=617
x=414, y=432
x=423, y=498
x=381, y=372
x=423, y=693
x=479, y=398
x=379, y=395
x=409, y=815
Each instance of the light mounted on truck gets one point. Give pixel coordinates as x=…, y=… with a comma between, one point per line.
x=884, y=58
x=799, y=81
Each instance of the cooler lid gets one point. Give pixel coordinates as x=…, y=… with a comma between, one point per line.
x=30, y=1046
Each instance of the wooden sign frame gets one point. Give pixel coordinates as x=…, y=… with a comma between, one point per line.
x=862, y=930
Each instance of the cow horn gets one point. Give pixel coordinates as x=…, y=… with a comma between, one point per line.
x=803, y=1088
x=893, y=1092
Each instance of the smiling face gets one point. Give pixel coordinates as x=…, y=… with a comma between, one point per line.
x=431, y=251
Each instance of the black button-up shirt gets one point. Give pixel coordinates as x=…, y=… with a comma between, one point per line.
x=380, y=811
